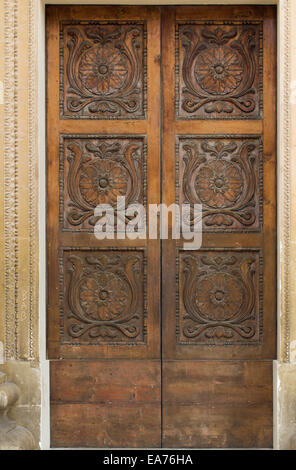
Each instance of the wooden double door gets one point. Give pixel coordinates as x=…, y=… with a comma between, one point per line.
x=150, y=344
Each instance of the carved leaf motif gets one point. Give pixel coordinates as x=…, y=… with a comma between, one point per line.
x=219, y=71
x=224, y=175
x=104, y=296
x=220, y=298
x=104, y=70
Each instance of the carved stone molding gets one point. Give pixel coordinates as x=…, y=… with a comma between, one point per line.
x=20, y=189
x=33, y=106
x=11, y=158
x=284, y=156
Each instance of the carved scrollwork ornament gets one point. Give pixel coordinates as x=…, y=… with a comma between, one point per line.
x=97, y=171
x=104, y=297
x=103, y=76
x=220, y=300
x=225, y=176
x=220, y=70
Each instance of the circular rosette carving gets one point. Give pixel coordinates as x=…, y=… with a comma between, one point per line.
x=219, y=70
x=103, y=69
x=219, y=297
x=104, y=298
x=102, y=182
x=219, y=184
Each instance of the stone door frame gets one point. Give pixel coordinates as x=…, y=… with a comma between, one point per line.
x=22, y=190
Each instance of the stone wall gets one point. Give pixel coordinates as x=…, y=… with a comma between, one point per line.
x=19, y=210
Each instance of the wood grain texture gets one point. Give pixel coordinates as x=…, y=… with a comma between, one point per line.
x=103, y=66
x=105, y=426
x=105, y=403
x=171, y=104
x=105, y=381
x=217, y=404
x=208, y=399
x=237, y=213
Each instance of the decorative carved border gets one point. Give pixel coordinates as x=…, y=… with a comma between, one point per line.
x=33, y=188
x=61, y=295
x=11, y=159
x=20, y=343
x=284, y=152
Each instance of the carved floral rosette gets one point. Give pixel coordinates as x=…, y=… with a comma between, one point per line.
x=221, y=297
x=219, y=70
x=103, y=70
x=103, y=296
x=97, y=170
x=224, y=175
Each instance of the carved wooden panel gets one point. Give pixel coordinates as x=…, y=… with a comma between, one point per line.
x=219, y=70
x=220, y=297
x=103, y=69
x=103, y=295
x=224, y=174
x=96, y=170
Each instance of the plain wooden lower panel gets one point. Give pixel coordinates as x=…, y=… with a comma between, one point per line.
x=110, y=403
x=217, y=404
x=85, y=425
x=117, y=403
